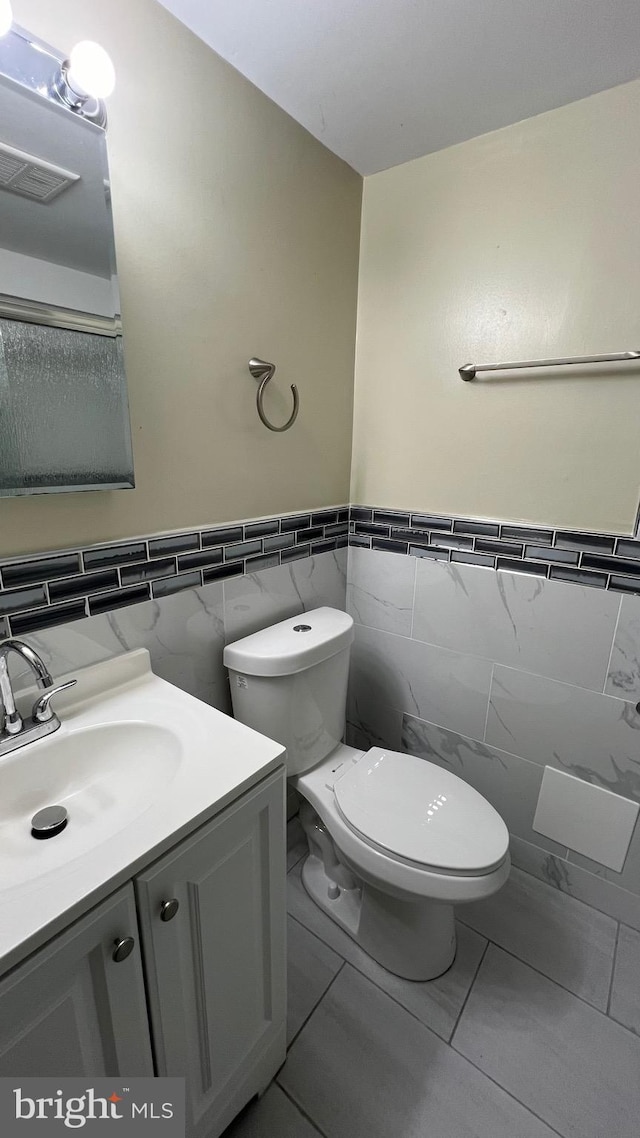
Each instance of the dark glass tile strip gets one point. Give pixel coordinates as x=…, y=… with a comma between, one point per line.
x=465, y=558
x=488, y=545
x=118, y=599
x=170, y=546
x=531, y=567
x=266, y=561
x=200, y=560
x=358, y=541
x=324, y=518
x=244, y=549
x=480, y=529
x=371, y=529
x=296, y=554
x=311, y=534
x=390, y=546
x=432, y=551
x=326, y=546
x=221, y=536
x=449, y=541
x=289, y=525
x=391, y=517
x=625, y=547
x=336, y=530
x=430, y=521
x=167, y=586
x=40, y=569
x=526, y=533
x=111, y=555
x=578, y=576
x=591, y=542
x=610, y=564
x=360, y=514
x=135, y=574
x=23, y=623
x=261, y=529
x=221, y=572
x=281, y=541
x=17, y=599
x=622, y=584
x=83, y=585
x=551, y=554
x=414, y=536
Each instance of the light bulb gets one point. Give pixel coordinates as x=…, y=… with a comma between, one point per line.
x=91, y=70
x=6, y=16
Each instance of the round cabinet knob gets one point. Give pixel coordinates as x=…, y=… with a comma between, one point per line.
x=168, y=909
x=122, y=948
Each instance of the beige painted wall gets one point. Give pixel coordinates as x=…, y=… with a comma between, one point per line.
x=522, y=244
x=237, y=235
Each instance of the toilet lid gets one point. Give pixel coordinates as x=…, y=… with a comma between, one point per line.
x=420, y=812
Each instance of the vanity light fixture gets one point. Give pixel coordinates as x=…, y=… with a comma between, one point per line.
x=87, y=77
x=6, y=16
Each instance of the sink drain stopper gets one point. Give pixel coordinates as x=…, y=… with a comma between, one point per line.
x=49, y=822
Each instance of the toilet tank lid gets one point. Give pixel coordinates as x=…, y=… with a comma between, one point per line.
x=292, y=645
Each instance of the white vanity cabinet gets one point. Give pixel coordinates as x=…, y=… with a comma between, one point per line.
x=213, y=967
x=72, y=1010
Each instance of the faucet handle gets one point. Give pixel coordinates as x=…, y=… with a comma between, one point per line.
x=42, y=710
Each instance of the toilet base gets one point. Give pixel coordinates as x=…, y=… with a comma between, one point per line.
x=412, y=939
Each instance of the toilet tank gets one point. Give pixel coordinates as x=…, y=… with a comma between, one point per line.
x=289, y=682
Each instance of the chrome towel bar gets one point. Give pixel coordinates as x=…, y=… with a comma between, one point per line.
x=469, y=371
x=263, y=372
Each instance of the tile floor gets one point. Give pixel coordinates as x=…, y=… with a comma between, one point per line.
x=534, y=1031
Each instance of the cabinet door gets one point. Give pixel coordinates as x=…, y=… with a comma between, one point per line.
x=71, y=1009
x=216, y=970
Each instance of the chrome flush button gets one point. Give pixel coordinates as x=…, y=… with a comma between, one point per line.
x=302, y=628
x=49, y=822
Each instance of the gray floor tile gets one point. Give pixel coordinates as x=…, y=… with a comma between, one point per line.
x=362, y=1067
x=570, y=1064
x=625, y=994
x=311, y=966
x=272, y=1116
x=436, y=1003
x=568, y=941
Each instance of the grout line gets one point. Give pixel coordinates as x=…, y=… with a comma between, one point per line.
x=471, y=985
x=613, y=644
x=509, y=1093
x=297, y=1106
x=415, y=588
x=486, y=718
x=613, y=972
x=317, y=1003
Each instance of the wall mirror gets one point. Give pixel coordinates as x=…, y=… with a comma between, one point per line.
x=64, y=416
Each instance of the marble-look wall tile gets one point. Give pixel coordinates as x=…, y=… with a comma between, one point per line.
x=509, y=783
x=259, y=599
x=183, y=633
x=372, y=724
x=547, y=627
x=433, y=683
x=591, y=888
x=587, y=734
x=380, y=589
x=623, y=679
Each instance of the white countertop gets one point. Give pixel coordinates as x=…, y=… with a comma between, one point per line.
x=214, y=759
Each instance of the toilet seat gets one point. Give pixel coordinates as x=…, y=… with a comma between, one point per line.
x=418, y=812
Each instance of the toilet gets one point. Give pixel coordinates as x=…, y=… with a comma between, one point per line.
x=395, y=842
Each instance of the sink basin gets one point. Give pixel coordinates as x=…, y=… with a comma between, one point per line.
x=138, y=764
x=105, y=776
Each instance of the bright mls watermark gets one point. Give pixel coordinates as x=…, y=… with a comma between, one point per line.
x=130, y=1108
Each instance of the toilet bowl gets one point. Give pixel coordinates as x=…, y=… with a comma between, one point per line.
x=395, y=841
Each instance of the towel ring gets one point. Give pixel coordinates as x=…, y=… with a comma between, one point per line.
x=263, y=372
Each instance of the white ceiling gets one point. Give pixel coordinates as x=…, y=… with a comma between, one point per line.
x=382, y=81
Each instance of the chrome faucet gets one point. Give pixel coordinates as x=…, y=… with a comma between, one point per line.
x=14, y=731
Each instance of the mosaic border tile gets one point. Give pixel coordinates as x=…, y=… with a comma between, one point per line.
x=602, y=561
x=102, y=578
